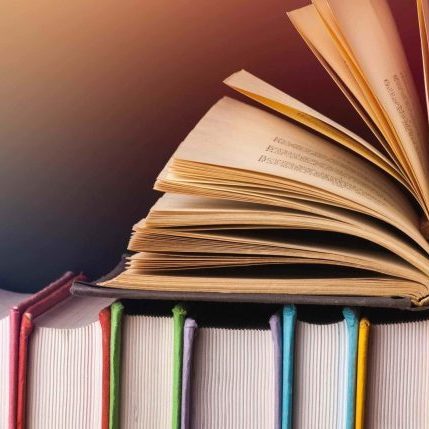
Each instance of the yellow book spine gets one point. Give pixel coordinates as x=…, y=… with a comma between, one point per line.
x=361, y=372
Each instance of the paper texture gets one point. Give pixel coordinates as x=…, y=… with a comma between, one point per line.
x=146, y=395
x=58, y=361
x=398, y=381
x=325, y=369
x=233, y=379
x=372, y=70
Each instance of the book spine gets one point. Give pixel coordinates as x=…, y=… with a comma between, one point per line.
x=24, y=338
x=362, y=359
x=289, y=321
x=15, y=323
x=276, y=334
x=104, y=318
x=115, y=364
x=352, y=321
x=188, y=342
x=15, y=326
x=179, y=314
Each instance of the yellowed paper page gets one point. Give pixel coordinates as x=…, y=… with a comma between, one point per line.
x=368, y=286
x=156, y=261
x=214, y=215
x=423, y=14
x=382, y=61
x=270, y=96
x=239, y=136
x=340, y=66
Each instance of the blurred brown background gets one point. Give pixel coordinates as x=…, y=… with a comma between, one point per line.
x=95, y=96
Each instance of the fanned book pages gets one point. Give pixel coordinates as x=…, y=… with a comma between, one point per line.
x=231, y=377
x=291, y=202
x=8, y=300
x=320, y=389
x=61, y=350
x=147, y=365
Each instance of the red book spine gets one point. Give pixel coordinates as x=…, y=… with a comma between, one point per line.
x=25, y=332
x=15, y=326
x=47, y=301
x=104, y=318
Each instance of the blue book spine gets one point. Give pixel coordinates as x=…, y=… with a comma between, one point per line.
x=352, y=320
x=289, y=320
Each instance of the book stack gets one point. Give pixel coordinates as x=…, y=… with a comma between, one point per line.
x=281, y=279
x=102, y=363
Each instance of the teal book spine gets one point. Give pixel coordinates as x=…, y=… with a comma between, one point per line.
x=289, y=321
x=352, y=320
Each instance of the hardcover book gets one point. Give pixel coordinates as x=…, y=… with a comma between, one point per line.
x=232, y=374
x=62, y=348
x=396, y=367
x=8, y=300
x=319, y=368
x=289, y=202
x=14, y=321
x=146, y=365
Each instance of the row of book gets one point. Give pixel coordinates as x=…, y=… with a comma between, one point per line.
x=73, y=362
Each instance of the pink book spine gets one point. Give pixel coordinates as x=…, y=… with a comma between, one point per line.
x=15, y=315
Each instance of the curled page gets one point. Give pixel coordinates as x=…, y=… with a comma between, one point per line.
x=272, y=97
x=277, y=155
x=378, y=64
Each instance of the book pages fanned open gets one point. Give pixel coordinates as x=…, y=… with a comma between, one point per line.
x=291, y=202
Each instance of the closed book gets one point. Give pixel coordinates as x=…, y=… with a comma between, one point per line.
x=62, y=346
x=146, y=365
x=324, y=383
x=15, y=316
x=397, y=381
x=8, y=300
x=232, y=374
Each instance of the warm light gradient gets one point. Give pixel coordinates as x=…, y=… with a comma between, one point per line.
x=95, y=96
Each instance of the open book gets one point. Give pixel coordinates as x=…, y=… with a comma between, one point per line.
x=291, y=202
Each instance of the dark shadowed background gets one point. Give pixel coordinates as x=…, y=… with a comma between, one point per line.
x=96, y=95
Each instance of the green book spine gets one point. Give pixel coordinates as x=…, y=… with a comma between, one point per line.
x=115, y=364
x=179, y=314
